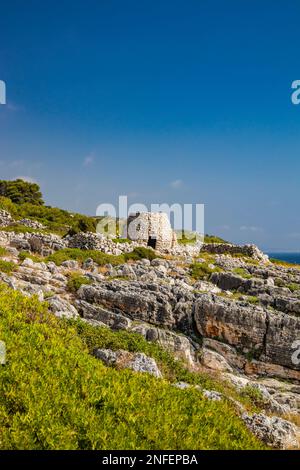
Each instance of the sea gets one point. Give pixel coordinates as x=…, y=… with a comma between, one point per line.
x=289, y=257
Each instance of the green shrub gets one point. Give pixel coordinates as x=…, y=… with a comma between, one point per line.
x=139, y=253
x=202, y=270
x=186, y=238
x=242, y=272
x=252, y=299
x=3, y=251
x=19, y=228
x=20, y=191
x=254, y=394
x=7, y=205
x=75, y=281
x=285, y=264
x=25, y=254
x=55, y=395
x=82, y=255
x=121, y=240
x=99, y=257
x=279, y=282
x=213, y=239
x=7, y=267
x=293, y=287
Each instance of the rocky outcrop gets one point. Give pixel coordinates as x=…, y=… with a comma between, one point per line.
x=253, y=331
x=160, y=305
x=273, y=431
x=226, y=248
x=121, y=359
x=43, y=244
x=31, y=224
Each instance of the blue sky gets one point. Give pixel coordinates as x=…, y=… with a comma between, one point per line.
x=166, y=101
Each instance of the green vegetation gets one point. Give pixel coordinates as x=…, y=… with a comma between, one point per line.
x=186, y=238
x=7, y=267
x=202, y=270
x=279, y=282
x=24, y=200
x=7, y=205
x=76, y=280
x=254, y=394
x=82, y=255
x=3, y=251
x=55, y=395
x=99, y=257
x=20, y=192
x=293, y=287
x=213, y=239
x=25, y=254
x=252, y=299
x=242, y=272
x=141, y=253
x=19, y=228
x=121, y=240
x=285, y=264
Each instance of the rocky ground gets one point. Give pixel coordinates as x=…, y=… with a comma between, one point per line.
x=225, y=309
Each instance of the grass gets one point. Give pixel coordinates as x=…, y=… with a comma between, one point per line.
x=242, y=272
x=76, y=280
x=3, y=251
x=7, y=267
x=55, y=395
x=19, y=228
x=82, y=255
x=186, y=237
x=285, y=264
x=121, y=240
x=293, y=287
x=252, y=299
x=25, y=254
x=56, y=220
x=99, y=257
x=202, y=271
x=254, y=394
x=213, y=239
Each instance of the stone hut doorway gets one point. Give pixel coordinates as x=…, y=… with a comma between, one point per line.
x=152, y=242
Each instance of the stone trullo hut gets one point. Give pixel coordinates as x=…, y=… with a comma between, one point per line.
x=152, y=229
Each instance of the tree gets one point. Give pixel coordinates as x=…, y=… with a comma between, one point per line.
x=20, y=192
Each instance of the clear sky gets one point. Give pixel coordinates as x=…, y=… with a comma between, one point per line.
x=166, y=101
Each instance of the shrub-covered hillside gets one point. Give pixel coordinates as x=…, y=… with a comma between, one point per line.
x=24, y=200
x=55, y=395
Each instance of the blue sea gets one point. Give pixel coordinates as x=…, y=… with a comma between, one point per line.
x=289, y=257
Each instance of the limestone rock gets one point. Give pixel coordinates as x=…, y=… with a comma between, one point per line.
x=138, y=362
x=273, y=431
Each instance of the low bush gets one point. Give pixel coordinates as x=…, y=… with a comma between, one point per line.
x=7, y=267
x=213, y=239
x=55, y=395
x=99, y=257
x=285, y=264
x=121, y=240
x=202, y=270
x=293, y=287
x=75, y=281
x=252, y=299
x=3, y=251
x=82, y=255
x=25, y=254
x=242, y=272
x=139, y=253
